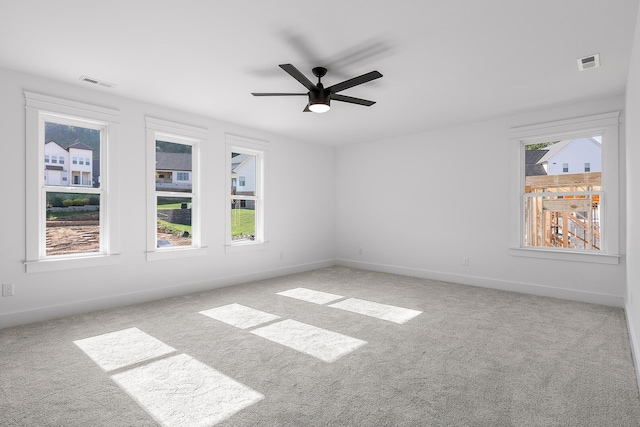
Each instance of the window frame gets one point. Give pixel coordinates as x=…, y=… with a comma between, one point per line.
x=260, y=149
x=158, y=129
x=43, y=108
x=606, y=125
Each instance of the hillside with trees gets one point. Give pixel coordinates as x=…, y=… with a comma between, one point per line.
x=66, y=135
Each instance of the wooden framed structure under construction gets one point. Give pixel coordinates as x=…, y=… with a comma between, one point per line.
x=563, y=211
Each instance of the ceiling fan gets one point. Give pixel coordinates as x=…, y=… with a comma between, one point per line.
x=319, y=96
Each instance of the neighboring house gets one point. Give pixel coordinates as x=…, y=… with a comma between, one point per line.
x=531, y=165
x=80, y=170
x=243, y=178
x=572, y=156
x=173, y=171
x=68, y=166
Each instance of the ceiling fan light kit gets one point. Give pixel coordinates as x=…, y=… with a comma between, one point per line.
x=319, y=100
x=319, y=96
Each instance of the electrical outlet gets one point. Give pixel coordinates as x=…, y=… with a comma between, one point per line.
x=7, y=289
x=465, y=261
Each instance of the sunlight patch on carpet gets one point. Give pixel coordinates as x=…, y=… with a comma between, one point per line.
x=181, y=391
x=377, y=310
x=122, y=348
x=239, y=316
x=317, y=342
x=309, y=295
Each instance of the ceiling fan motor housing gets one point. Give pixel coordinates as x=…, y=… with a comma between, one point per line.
x=319, y=96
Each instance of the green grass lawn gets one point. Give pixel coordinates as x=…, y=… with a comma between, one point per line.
x=173, y=228
x=170, y=206
x=243, y=222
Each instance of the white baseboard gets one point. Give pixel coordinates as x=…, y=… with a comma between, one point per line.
x=61, y=310
x=635, y=350
x=504, y=285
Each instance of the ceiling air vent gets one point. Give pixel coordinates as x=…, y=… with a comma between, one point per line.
x=97, y=82
x=588, y=62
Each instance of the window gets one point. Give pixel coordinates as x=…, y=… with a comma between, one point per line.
x=86, y=161
x=54, y=159
x=567, y=215
x=46, y=158
x=246, y=163
x=173, y=159
x=67, y=224
x=75, y=160
x=81, y=161
x=61, y=160
x=563, y=211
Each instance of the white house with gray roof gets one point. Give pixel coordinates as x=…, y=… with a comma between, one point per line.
x=173, y=171
x=72, y=166
x=573, y=156
x=243, y=174
x=243, y=179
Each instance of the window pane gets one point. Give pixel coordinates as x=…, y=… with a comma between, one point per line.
x=173, y=167
x=64, y=142
x=243, y=220
x=72, y=223
x=562, y=157
x=174, y=221
x=243, y=174
x=571, y=221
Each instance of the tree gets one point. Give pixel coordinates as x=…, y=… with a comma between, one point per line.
x=540, y=145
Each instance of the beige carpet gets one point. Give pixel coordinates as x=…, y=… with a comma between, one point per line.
x=332, y=347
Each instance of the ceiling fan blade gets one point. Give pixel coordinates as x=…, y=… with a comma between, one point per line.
x=306, y=109
x=354, y=81
x=278, y=94
x=296, y=74
x=351, y=100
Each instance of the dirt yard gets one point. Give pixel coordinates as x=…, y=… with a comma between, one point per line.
x=80, y=234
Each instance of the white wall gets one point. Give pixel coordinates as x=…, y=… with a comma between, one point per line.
x=458, y=205
x=633, y=196
x=300, y=217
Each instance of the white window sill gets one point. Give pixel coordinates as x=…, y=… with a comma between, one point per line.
x=57, y=264
x=246, y=247
x=590, y=257
x=175, y=253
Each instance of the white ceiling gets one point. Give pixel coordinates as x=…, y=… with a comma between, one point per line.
x=444, y=62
